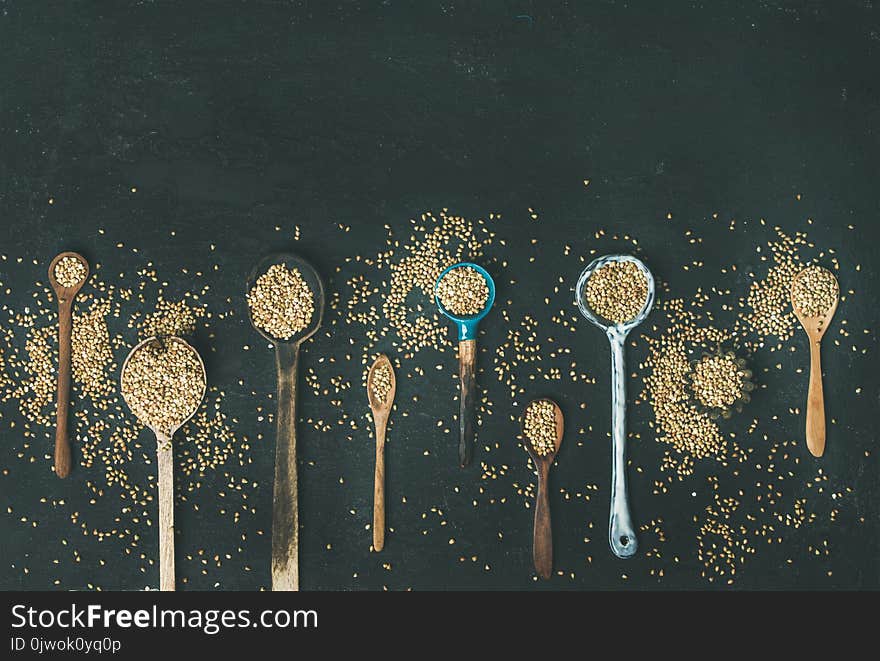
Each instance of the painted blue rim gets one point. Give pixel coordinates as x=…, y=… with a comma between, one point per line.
x=467, y=326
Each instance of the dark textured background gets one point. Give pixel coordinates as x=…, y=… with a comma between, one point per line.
x=232, y=118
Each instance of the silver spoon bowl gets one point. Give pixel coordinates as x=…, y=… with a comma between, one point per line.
x=621, y=533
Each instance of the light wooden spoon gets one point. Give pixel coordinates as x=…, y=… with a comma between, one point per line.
x=542, y=539
x=815, y=328
x=65, y=296
x=165, y=459
x=380, y=409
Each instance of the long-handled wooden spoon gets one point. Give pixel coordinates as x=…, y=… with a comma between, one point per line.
x=65, y=295
x=165, y=459
x=815, y=328
x=285, y=503
x=542, y=550
x=381, y=387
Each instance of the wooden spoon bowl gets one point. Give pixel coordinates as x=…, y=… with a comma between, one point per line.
x=543, y=531
x=65, y=296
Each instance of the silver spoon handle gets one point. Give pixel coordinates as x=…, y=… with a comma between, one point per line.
x=621, y=535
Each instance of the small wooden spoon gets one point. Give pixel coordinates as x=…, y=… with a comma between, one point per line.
x=543, y=535
x=380, y=410
x=165, y=458
x=815, y=328
x=65, y=296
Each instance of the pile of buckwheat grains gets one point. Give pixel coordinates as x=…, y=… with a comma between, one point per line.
x=617, y=291
x=463, y=291
x=382, y=382
x=281, y=302
x=814, y=291
x=163, y=382
x=539, y=426
x=69, y=271
x=717, y=381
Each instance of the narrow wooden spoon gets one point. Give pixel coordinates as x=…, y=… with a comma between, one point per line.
x=380, y=409
x=543, y=532
x=65, y=296
x=815, y=328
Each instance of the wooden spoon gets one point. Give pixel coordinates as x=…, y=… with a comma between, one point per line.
x=815, y=328
x=285, y=499
x=165, y=457
x=65, y=296
x=543, y=533
x=380, y=409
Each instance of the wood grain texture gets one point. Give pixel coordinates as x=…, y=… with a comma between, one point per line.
x=815, y=430
x=285, y=505
x=467, y=365
x=165, y=456
x=379, y=484
x=542, y=549
x=542, y=534
x=62, y=438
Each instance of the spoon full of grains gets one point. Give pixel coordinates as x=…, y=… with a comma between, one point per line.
x=381, y=387
x=163, y=382
x=68, y=272
x=285, y=298
x=616, y=293
x=814, y=297
x=465, y=292
x=542, y=427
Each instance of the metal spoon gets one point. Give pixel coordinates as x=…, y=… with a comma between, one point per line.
x=621, y=534
x=542, y=538
x=65, y=296
x=815, y=328
x=285, y=508
x=380, y=410
x=467, y=362
x=165, y=455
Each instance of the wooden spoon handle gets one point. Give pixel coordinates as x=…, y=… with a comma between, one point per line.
x=379, y=488
x=467, y=364
x=62, y=441
x=285, y=505
x=543, y=536
x=816, y=403
x=166, y=513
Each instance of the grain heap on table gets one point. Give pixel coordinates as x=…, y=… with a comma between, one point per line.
x=717, y=381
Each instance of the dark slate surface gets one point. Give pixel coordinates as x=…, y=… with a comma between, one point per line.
x=237, y=117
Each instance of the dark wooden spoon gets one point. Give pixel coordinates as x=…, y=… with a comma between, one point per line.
x=380, y=410
x=543, y=533
x=285, y=507
x=65, y=296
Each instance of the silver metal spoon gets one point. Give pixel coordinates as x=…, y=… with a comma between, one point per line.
x=621, y=533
